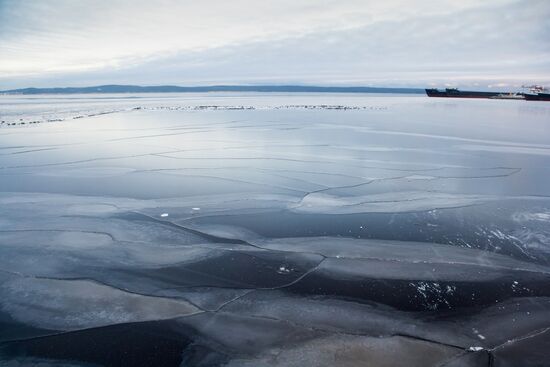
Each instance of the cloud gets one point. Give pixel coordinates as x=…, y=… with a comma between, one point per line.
x=246, y=41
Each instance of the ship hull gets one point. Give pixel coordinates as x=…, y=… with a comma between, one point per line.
x=460, y=94
x=538, y=97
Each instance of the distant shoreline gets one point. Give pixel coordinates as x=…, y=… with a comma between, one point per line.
x=214, y=88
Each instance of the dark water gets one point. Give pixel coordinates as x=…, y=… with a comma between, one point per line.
x=274, y=230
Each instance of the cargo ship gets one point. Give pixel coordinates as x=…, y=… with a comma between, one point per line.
x=536, y=93
x=455, y=93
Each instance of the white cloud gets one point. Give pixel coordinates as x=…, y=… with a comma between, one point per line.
x=248, y=41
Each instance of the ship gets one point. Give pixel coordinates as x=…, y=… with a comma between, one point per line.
x=455, y=93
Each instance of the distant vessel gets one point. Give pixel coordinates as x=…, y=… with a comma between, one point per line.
x=455, y=93
x=536, y=93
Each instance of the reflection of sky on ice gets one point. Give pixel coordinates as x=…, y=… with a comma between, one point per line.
x=274, y=222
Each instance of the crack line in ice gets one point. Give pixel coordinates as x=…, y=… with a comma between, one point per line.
x=291, y=323
x=532, y=334
x=320, y=254
x=309, y=172
x=333, y=331
x=234, y=299
x=415, y=210
x=157, y=135
x=157, y=154
x=238, y=158
x=78, y=161
x=446, y=137
x=515, y=170
x=29, y=151
x=60, y=230
x=238, y=181
x=95, y=281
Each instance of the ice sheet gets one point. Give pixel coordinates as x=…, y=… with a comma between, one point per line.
x=276, y=230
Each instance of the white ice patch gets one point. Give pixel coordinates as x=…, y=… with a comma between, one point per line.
x=499, y=234
x=283, y=269
x=531, y=216
x=476, y=332
x=433, y=294
x=537, y=239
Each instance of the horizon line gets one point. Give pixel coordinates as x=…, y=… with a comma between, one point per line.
x=167, y=88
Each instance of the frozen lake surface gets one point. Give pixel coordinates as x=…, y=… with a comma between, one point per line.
x=274, y=230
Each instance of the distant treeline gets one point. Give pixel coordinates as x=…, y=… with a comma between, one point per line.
x=214, y=88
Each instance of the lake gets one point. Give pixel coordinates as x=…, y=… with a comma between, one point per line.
x=250, y=229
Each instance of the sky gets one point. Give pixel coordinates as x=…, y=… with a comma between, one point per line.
x=489, y=43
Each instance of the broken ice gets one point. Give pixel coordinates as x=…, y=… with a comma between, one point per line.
x=274, y=230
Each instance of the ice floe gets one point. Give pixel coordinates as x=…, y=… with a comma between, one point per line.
x=76, y=304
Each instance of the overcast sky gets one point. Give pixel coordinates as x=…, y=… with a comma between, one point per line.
x=322, y=42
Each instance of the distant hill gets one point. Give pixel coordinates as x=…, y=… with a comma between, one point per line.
x=214, y=88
